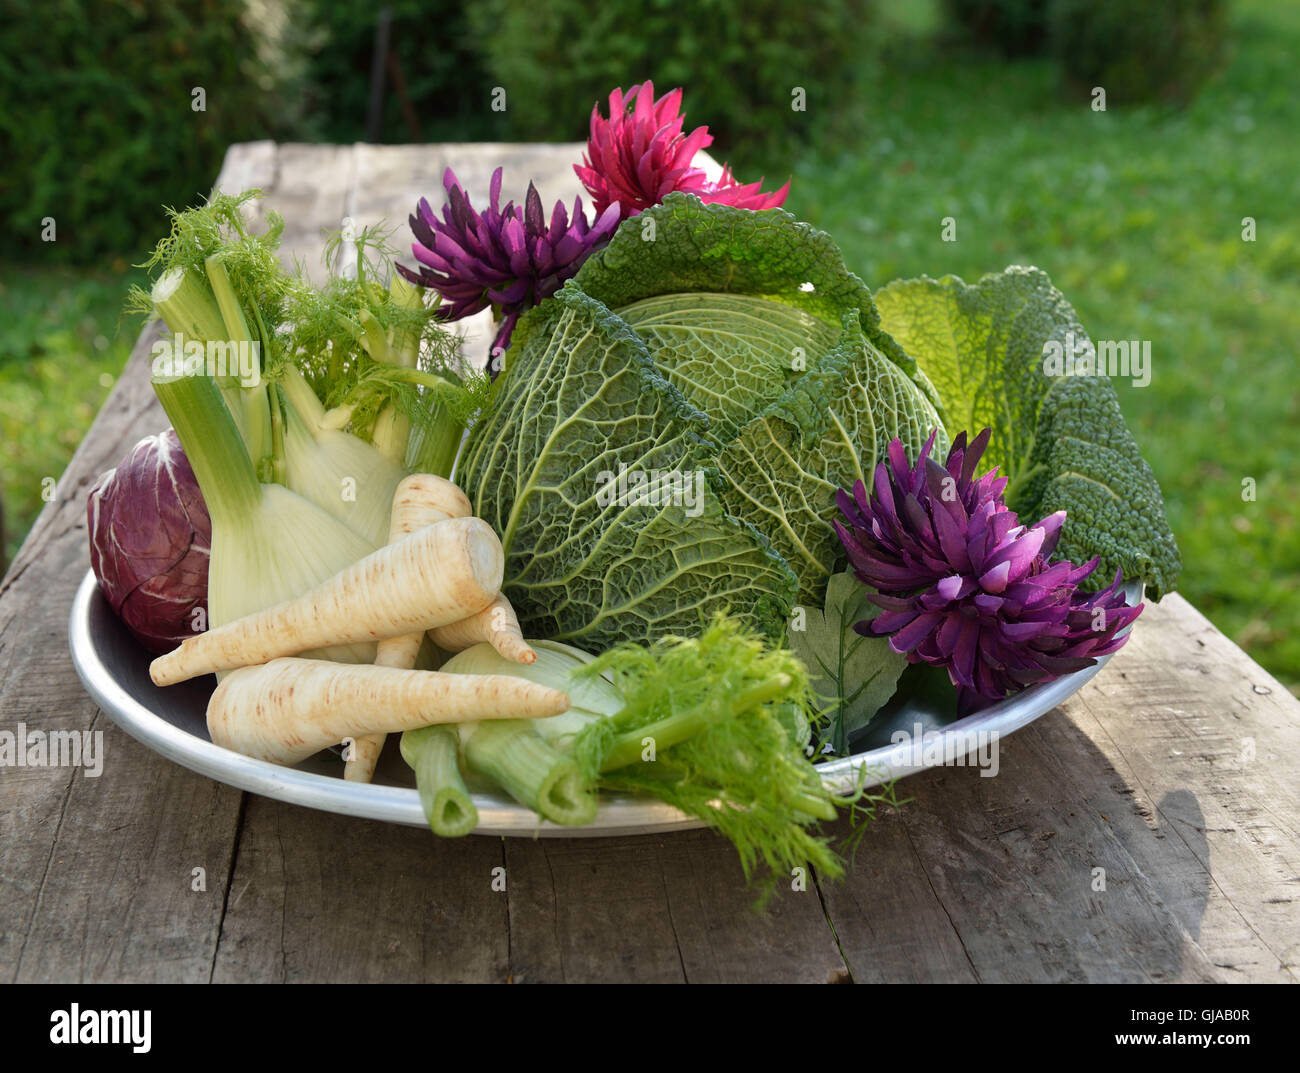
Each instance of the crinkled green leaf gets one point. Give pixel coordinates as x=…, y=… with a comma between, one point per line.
x=580, y=398
x=824, y=433
x=856, y=675
x=755, y=318
x=729, y=354
x=1060, y=439
x=695, y=252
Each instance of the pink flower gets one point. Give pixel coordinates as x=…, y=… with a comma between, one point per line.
x=639, y=154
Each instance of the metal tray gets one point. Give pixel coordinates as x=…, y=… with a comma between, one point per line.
x=172, y=722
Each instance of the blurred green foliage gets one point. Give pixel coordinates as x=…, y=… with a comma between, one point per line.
x=1011, y=27
x=98, y=122
x=1155, y=50
x=741, y=62
x=438, y=57
x=1152, y=50
x=61, y=348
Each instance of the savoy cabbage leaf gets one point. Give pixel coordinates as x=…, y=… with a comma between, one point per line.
x=729, y=354
x=755, y=318
x=593, y=559
x=693, y=255
x=1061, y=440
x=824, y=433
x=853, y=674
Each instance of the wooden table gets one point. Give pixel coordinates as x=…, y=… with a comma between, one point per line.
x=1176, y=770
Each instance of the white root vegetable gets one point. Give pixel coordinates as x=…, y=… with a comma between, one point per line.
x=497, y=624
x=287, y=710
x=420, y=500
x=437, y=575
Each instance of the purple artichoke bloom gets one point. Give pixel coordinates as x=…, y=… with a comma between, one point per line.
x=508, y=258
x=964, y=585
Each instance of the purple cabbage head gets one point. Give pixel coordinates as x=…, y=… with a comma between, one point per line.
x=150, y=537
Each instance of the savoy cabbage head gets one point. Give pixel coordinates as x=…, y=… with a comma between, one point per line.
x=703, y=340
x=757, y=320
x=592, y=556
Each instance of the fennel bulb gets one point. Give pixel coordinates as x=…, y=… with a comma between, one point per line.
x=335, y=470
x=269, y=544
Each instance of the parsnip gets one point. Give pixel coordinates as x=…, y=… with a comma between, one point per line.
x=289, y=709
x=440, y=574
x=420, y=500
x=497, y=624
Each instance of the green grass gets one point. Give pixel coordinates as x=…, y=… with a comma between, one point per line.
x=60, y=352
x=1136, y=213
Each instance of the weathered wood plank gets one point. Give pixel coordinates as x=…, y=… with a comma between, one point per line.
x=1009, y=860
x=890, y=923
x=657, y=909
x=136, y=882
x=317, y=897
x=309, y=189
x=92, y=885
x=1205, y=743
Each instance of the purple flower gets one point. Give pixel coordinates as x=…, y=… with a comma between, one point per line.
x=964, y=585
x=509, y=258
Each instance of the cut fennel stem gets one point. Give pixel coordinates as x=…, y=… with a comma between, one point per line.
x=529, y=759
x=431, y=753
x=203, y=313
x=589, y=699
x=268, y=543
x=518, y=759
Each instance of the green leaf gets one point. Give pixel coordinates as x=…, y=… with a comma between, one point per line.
x=1061, y=440
x=856, y=674
x=716, y=704
x=824, y=433
x=579, y=401
x=696, y=253
x=729, y=354
x=756, y=320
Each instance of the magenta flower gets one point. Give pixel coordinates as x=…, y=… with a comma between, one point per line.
x=508, y=258
x=639, y=154
x=964, y=585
